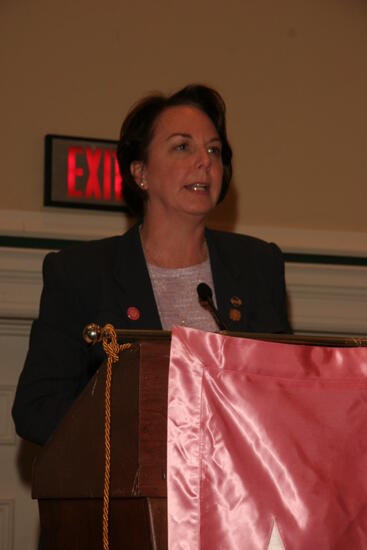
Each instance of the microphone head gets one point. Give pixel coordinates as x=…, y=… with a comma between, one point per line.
x=204, y=292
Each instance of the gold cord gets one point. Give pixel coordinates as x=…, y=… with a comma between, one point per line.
x=112, y=350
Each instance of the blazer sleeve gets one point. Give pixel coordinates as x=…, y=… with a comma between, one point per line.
x=56, y=366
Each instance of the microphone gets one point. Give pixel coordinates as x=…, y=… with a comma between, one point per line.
x=206, y=299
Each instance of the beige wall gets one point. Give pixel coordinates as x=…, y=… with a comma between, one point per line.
x=293, y=73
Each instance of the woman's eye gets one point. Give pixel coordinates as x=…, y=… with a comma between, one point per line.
x=214, y=150
x=181, y=147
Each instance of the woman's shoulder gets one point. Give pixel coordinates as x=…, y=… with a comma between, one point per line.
x=79, y=251
x=87, y=259
x=79, y=257
x=82, y=253
x=241, y=243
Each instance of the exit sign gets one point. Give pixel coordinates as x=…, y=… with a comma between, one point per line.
x=82, y=173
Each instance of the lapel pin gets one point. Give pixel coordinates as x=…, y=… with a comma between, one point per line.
x=133, y=313
x=234, y=314
x=236, y=301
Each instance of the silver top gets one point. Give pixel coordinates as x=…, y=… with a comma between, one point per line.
x=176, y=296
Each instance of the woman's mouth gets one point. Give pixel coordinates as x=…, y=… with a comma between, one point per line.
x=198, y=187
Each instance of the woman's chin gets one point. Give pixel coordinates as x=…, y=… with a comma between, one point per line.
x=198, y=206
x=197, y=211
x=200, y=203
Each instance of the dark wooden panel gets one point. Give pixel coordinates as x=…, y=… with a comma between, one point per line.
x=71, y=465
x=68, y=475
x=154, y=363
x=135, y=524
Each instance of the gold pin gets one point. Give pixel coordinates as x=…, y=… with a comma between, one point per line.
x=236, y=301
x=235, y=314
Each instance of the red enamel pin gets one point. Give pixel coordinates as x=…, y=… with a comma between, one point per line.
x=133, y=313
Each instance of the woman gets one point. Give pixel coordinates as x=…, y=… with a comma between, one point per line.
x=175, y=161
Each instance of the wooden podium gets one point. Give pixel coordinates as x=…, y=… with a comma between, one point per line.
x=69, y=473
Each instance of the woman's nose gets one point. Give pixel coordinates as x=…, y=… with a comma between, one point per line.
x=203, y=158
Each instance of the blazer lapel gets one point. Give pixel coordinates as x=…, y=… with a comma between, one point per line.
x=135, y=297
x=231, y=289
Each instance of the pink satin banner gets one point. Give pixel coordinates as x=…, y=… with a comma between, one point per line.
x=262, y=433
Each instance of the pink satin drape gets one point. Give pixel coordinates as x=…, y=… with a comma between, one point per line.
x=261, y=432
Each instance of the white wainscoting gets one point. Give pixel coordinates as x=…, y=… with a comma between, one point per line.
x=7, y=432
x=6, y=524
x=19, y=523
x=20, y=283
x=327, y=298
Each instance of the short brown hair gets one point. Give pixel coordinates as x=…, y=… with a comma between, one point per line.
x=138, y=128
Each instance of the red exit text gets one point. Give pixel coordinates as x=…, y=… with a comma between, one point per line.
x=93, y=174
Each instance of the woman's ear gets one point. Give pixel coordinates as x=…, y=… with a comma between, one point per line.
x=137, y=170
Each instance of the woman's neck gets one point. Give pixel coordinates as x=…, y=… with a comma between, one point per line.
x=173, y=246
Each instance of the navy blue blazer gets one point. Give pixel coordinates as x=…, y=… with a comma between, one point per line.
x=97, y=282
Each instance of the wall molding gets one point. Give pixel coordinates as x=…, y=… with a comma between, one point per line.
x=7, y=432
x=6, y=524
x=307, y=241
x=328, y=298
x=20, y=284
x=323, y=298
x=15, y=327
x=57, y=223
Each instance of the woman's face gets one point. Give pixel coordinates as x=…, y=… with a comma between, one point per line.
x=184, y=171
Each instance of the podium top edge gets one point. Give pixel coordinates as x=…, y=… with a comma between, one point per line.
x=328, y=341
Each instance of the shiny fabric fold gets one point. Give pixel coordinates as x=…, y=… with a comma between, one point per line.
x=261, y=433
